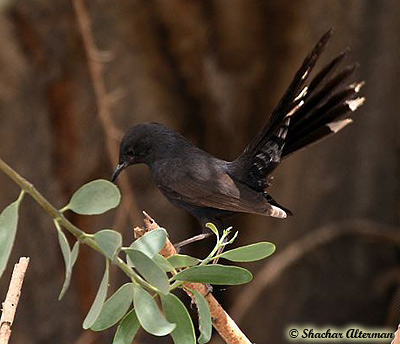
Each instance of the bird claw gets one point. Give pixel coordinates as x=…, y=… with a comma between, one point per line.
x=209, y=289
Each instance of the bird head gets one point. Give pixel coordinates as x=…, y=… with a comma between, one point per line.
x=144, y=143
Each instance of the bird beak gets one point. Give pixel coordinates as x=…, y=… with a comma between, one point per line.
x=118, y=170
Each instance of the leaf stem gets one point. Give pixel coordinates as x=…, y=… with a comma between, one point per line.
x=64, y=209
x=220, y=242
x=175, y=285
x=21, y=196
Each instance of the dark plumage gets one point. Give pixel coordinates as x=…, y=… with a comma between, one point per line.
x=212, y=189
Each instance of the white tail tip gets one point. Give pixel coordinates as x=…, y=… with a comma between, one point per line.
x=339, y=125
x=357, y=86
x=354, y=104
x=277, y=212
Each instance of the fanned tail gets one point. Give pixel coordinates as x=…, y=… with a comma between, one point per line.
x=293, y=97
x=310, y=110
x=326, y=101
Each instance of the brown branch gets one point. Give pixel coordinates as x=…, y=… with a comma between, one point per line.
x=396, y=339
x=221, y=320
x=11, y=302
x=103, y=100
x=282, y=261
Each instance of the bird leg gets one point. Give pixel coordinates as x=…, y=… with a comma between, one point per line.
x=192, y=239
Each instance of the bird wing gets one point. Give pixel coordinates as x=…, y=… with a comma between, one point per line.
x=304, y=115
x=207, y=186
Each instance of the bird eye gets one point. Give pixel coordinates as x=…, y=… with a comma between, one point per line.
x=130, y=153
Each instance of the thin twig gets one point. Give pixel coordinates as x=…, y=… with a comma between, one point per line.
x=103, y=103
x=11, y=302
x=221, y=320
x=280, y=262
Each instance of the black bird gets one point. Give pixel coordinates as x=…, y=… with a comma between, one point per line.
x=212, y=189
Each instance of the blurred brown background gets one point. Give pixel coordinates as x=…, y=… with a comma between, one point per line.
x=212, y=70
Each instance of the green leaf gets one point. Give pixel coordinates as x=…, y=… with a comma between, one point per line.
x=109, y=241
x=176, y=312
x=127, y=329
x=74, y=254
x=68, y=267
x=65, y=249
x=98, y=301
x=149, y=314
x=8, y=230
x=95, y=197
x=250, y=253
x=215, y=274
x=150, y=271
x=114, y=308
x=163, y=263
x=205, y=325
x=182, y=261
x=213, y=228
x=151, y=243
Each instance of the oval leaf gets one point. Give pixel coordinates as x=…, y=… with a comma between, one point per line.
x=215, y=274
x=176, y=312
x=205, y=325
x=182, y=261
x=8, y=230
x=127, y=329
x=114, y=308
x=98, y=301
x=150, y=271
x=95, y=197
x=250, y=253
x=109, y=241
x=151, y=243
x=149, y=314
